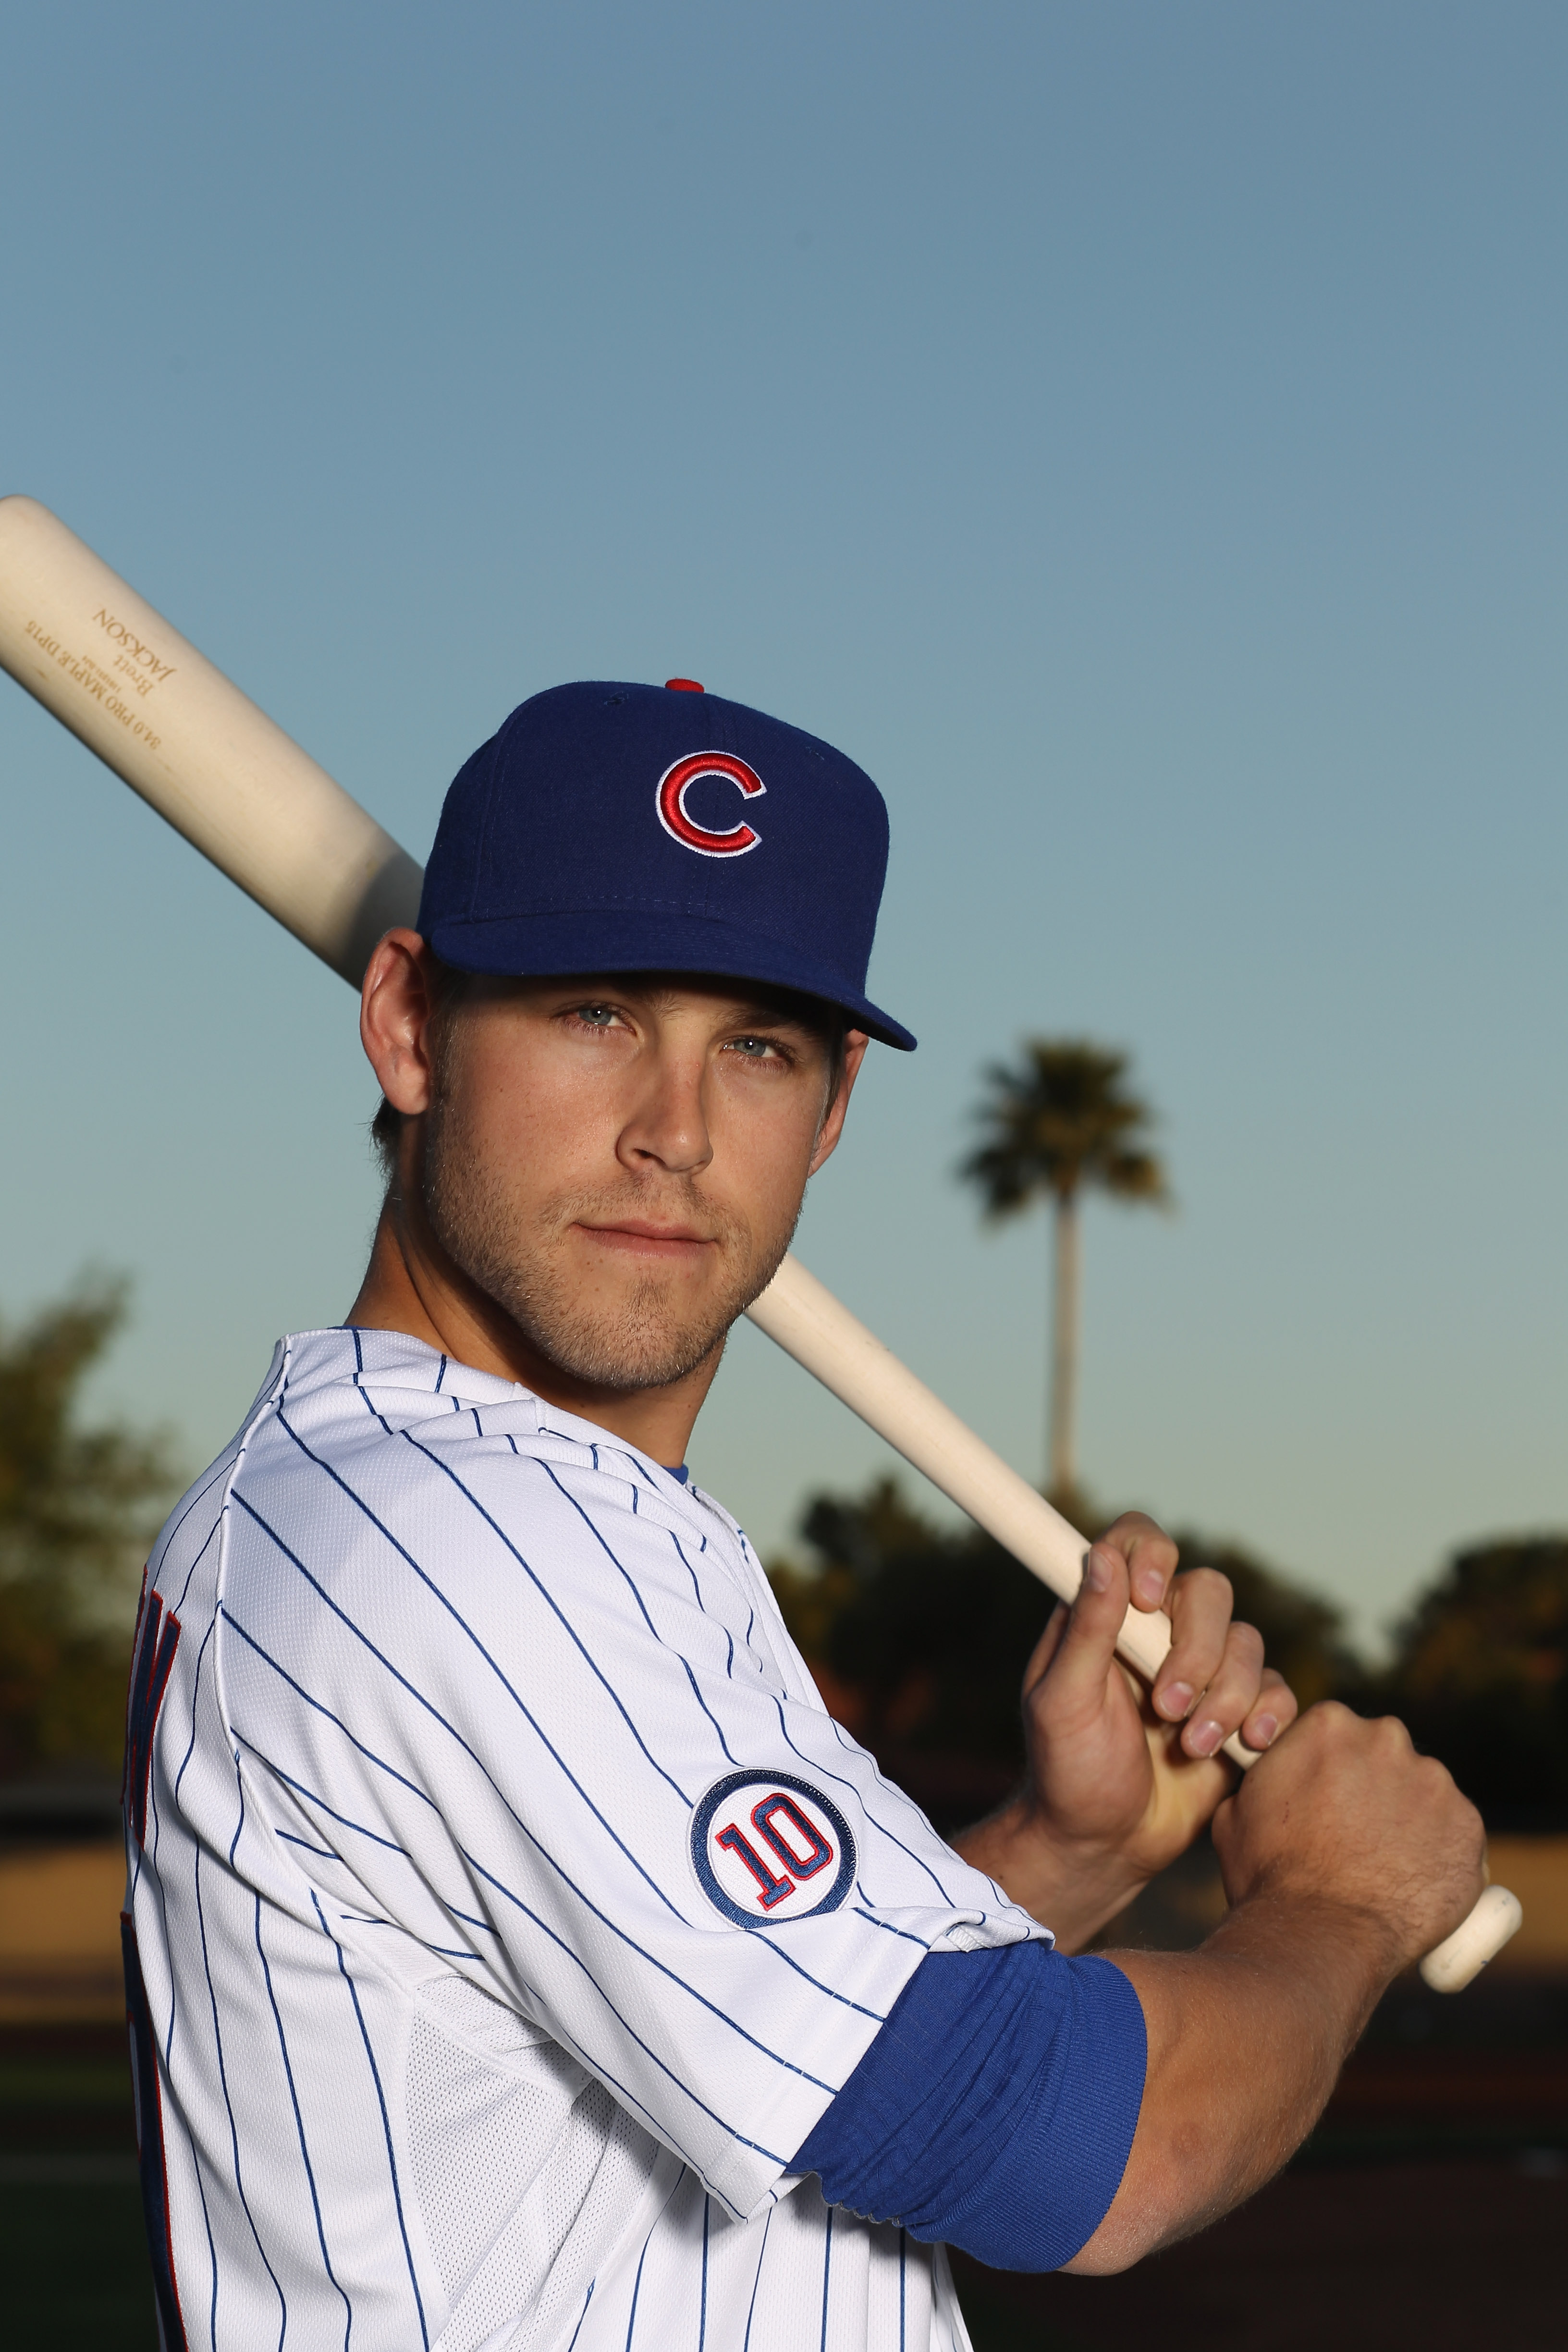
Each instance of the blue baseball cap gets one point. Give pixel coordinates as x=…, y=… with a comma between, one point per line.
x=658, y=828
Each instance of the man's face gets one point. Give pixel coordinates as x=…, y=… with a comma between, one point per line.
x=620, y=1164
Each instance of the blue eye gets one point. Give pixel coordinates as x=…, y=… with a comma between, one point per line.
x=598, y=1016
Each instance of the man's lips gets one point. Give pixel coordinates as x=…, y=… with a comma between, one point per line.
x=641, y=1237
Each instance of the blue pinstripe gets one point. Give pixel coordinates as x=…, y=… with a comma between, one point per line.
x=299, y=2127
x=212, y=2249
x=289, y=1782
x=888, y=1929
x=761, y=2255
x=228, y=2108
x=386, y=2122
x=764, y=1933
x=583, y=2314
x=239, y=1791
x=637, y=2288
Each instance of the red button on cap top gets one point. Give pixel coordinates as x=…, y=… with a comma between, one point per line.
x=683, y=685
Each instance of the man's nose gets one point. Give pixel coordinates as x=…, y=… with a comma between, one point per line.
x=668, y=1124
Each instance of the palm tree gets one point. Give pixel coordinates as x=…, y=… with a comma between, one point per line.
x=1056, y=1122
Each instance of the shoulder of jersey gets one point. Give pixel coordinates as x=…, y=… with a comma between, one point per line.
x=357, y=1392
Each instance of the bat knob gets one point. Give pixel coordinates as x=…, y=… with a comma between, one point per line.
x=1478, y=1939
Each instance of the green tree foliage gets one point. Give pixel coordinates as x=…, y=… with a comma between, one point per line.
x=1060, y=1122
x=77, y=1509
x=1481, y=1675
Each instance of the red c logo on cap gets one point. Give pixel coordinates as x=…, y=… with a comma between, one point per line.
x=673, y=786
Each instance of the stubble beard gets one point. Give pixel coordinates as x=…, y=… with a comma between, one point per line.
x=649, y=1337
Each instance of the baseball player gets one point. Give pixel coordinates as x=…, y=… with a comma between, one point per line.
x=518, y=1954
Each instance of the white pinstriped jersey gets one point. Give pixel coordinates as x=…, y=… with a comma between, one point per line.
x=504, y=1909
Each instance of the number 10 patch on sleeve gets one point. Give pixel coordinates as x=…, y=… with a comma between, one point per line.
x=771, y=1847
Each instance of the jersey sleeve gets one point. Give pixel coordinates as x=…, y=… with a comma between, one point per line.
x=522, y=1709
x=996, y=2108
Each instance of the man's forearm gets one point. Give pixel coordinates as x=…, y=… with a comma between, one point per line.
x=1247, y=2037
x=1073, y=1887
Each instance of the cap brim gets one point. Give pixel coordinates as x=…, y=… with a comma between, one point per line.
x=600, y=939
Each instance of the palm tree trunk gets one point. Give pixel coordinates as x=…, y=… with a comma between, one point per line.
x=1064, y=1349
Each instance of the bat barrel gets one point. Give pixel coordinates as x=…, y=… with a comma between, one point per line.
x=98, y=657
x=803, y=1318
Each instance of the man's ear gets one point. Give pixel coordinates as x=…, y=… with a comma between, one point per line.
x=832, y=1128
x=394, y=1020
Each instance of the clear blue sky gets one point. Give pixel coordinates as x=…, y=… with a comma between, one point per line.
x=1135, y=433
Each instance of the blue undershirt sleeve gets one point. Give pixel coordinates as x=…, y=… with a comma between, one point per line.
x=995, y=2109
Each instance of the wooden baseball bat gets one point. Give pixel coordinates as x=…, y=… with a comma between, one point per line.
x=158, y=713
